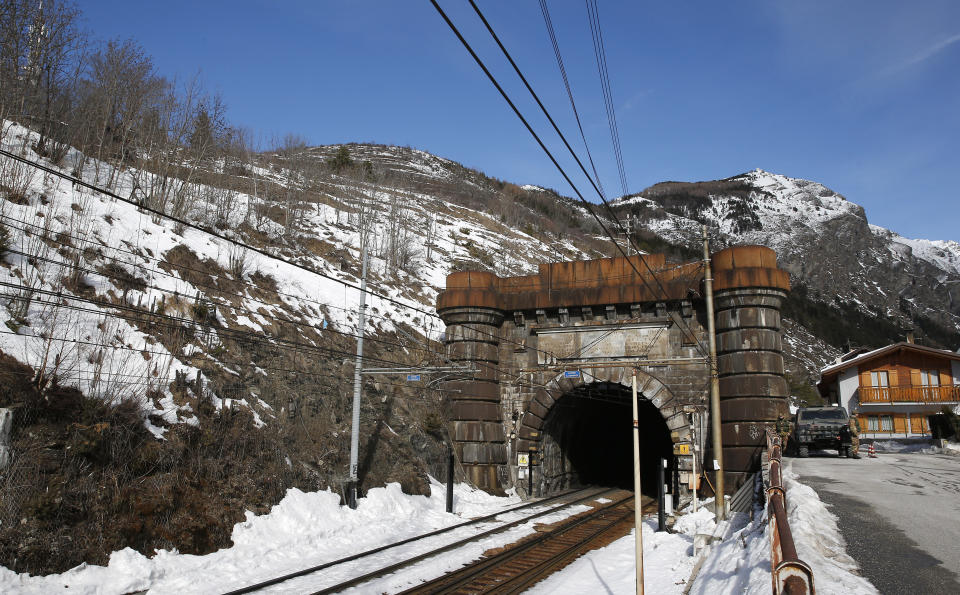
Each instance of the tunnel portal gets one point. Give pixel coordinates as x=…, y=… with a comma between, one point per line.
x=588, y=440
x=551, y=356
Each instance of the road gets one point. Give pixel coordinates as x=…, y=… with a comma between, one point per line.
x=899, y=513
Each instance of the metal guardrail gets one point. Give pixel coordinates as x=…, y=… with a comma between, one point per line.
x=790, y=574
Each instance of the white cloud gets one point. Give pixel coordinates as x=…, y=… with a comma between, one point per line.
x=922, y=56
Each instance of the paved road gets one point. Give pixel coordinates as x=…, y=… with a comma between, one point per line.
x=900, y=515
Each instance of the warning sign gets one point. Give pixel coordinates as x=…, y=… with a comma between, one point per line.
x=681, y=449
x=523, y=460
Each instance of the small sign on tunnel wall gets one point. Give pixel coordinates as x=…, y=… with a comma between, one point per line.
x=571, y=374
x=523, y=460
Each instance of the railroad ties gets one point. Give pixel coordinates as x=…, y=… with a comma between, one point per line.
x=510, y=568
x=518, y=566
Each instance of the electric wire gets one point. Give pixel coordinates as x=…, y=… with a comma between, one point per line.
x=596, y=32
x=566, y=83
x=556, y=164
x=184, y=222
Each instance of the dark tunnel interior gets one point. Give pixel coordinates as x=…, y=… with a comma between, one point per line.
x=589, y=440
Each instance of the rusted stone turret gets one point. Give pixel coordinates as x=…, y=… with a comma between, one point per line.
x=749, y=291
x=473, y=325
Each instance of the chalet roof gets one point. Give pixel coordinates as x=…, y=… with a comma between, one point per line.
x=896, y=347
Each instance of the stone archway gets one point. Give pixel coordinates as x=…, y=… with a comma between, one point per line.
x=581, y=429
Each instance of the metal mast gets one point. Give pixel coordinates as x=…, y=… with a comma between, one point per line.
x=719, y=503
x=355, y=427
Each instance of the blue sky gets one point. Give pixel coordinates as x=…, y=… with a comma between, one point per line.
x=860, y=95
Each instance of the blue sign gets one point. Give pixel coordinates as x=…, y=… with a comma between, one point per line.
x=571, y=374
x=413, y=377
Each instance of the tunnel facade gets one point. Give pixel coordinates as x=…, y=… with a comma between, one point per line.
x=569, y=342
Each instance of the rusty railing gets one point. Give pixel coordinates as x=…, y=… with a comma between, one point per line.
x=791, y=575
x=910, y=394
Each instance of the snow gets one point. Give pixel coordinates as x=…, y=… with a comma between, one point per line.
x=137, y=242
x=667, y=563
x=944, y=254
x=309, y=529
x=741, y=563
x=303, y=530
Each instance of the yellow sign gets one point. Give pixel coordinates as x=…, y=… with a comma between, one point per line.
x=523, y=459
x=681, y=449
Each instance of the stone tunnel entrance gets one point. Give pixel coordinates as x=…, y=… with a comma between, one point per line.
x=588, y=440
x=552, y=356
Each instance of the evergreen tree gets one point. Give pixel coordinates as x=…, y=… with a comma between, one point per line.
x=341, y=159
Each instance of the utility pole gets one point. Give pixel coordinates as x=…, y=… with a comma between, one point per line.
x=637, y=514
x=719, y=501
x=355, y=427
x=695, y=443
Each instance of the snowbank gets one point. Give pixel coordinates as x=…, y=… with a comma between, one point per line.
x=741, y=563
x=303, y=530
x=308, y=529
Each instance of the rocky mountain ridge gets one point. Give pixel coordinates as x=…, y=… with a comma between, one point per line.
x=836, y=258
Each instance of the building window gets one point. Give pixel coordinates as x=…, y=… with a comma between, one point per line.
x=872, y=424
x=880, y=379
x=886, y=423
x=930, y=377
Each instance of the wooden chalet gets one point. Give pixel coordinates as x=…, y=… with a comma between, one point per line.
x=895, y=389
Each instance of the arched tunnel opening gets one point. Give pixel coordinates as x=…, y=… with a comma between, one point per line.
x=588, y=440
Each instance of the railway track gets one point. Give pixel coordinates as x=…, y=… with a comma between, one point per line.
x=519, y=566
x=530, y=511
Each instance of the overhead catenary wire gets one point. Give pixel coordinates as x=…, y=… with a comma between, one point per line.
x=566, y=144
x=596, y=32
x=93, y=187
x=557, y=165
x=148, y=376
x=186, y=223
x=566, y=83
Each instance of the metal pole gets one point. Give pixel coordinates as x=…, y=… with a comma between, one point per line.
x=637, y=514
x=450, y=481
x=662, y=490
x=719, y=502
x=696, y=449
x=530, y=474
x=355, y=428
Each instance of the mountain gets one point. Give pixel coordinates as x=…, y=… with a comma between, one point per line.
x=854, y=283
x=146, y=351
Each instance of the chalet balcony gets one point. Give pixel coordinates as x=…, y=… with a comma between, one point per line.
x=910, y=394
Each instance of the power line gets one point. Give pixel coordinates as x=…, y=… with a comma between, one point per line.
x=556, y=164
x=596, y=32
x=78, y=182
x=167, y=321
x=566, y=83
x=297, y=323
x=179, y=267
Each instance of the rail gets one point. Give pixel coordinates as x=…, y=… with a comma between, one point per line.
x=790, y=574
x=910, y=394
x=567, y=498
x=520, y=566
